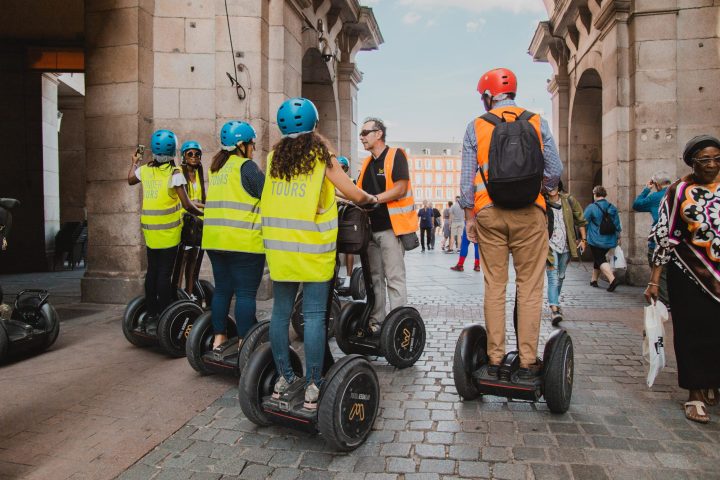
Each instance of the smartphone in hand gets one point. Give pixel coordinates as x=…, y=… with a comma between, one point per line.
x=140, y=149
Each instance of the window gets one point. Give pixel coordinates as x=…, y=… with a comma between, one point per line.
x=426, y=151
x=447, y=151
x=449, y=178
x=449, y=164
x=438, y=193
x=438, y=178
x=418, y=164
x=428, y=178
x=428, y=164
x=438, y=164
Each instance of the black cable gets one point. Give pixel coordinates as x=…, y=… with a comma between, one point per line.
x=233, y=79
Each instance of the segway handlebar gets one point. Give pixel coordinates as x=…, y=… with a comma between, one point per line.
x=9, y=203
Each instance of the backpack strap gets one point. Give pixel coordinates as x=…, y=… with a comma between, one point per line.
x=492, y=119
x=526, y=115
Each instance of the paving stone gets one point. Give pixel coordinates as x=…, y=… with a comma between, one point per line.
x=257, y=472
x=395, y=450
x=430, y=451
x=370, y=464
x=509, y=471
x=137, y=472
x=401, y=465
x=589, y=472
x=285, y=474
x=437, y=466
x=550, y=472
x=316, y=460
x=474, y=469
x=284, y=458
x=495, y=454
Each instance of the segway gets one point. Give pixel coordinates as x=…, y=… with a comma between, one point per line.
x=171, y=328
x=231, y=358
x=32, y=325
x=401, y=339
x=356, y=290
x=470, y=370
x=349, y=396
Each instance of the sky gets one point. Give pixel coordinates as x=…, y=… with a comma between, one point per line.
x=422, y=81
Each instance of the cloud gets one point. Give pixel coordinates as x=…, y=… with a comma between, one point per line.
x=411, y=18
x=516, y=6
x=475, y=25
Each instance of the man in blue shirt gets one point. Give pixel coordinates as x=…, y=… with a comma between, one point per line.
x=649, y=201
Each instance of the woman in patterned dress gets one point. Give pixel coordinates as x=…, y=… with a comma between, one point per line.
x=687, y=238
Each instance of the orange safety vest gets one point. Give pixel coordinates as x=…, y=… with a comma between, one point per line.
x=402, y=211
x=483, y=134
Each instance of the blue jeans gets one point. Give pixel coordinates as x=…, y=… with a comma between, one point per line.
x=239, y=273
x=315, y=298
x=555, y=276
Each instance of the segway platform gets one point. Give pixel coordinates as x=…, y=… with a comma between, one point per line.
x=472, y=379
x=33, y=325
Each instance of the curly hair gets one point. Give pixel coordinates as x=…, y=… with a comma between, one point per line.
x=297, y=156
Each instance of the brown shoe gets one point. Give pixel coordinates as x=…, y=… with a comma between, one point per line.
x=458, y=268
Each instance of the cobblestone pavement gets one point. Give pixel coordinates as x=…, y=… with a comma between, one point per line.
x=616, y=427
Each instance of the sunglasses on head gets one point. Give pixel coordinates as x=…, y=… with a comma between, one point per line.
x=706, y=160
x=193, y=154
x=365, y=133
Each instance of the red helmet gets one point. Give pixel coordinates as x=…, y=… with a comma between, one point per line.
x=497, y=81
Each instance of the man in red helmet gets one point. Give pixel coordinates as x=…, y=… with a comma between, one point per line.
x=502, y=226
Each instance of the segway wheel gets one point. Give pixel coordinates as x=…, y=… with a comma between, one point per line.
x=298, y=319
x=470, y=354
x=347, y=325
x=348, y=404
x=256, y=336
x=402, y=339
x=51, y=323
x=357, y=284
x=4, y=343
x=559, y=374
x=208, y=291
x=134, y=312
x=175, y=326
x=200, y=341
x=258, y=381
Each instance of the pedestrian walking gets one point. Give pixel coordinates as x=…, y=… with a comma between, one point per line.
x=231, y=234
x=385, y=174
x=437, y=226
x=464, y=247
x=457, y=224
x=426, y=223
x=505, y=212
x=565, y=217
x=687, y=242
x=446, y=243
x=164, y=196
x=649, y=201
x=603, y=228
x=299, y=228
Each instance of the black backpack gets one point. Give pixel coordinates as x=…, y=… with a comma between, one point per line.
x=607, y=226
x=516, y=162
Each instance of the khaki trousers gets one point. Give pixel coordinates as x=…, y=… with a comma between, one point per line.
x=386, y=256
x=523, y=233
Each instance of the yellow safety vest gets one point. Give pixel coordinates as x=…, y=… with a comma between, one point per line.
x=299, y=226
x=232, y=215
x=161, y=210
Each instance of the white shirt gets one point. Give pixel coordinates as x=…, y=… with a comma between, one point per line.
x=558, y=239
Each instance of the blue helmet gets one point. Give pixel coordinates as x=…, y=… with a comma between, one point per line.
x=164, y=143
x=297, y=115
x=190, y=144
x=343, y=161
x=234, y=132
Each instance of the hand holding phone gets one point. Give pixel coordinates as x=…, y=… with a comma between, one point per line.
x=138, y=154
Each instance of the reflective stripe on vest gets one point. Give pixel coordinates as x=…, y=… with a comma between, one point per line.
x=299, y=226
x=232, y=215
x=483, y=134
x=161, y=213
x=402, y=216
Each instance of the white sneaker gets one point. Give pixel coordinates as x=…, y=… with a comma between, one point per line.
x=346, y=282
x=312, y=393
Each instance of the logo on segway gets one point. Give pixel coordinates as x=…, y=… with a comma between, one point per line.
x=357, y=410
x=185, y=330
x=407, y=338
x=360, y=396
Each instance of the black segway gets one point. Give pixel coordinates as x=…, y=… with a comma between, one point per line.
x=470, y=370
x=356, y=290
x=349, y=396
x=32, y=325
x=401, y=339
x=171, y=329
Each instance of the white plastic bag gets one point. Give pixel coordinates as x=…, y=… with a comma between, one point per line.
x=654, y=340
x=616, y=258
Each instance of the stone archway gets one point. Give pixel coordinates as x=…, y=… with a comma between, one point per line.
x=319, y=86
x=585, y=146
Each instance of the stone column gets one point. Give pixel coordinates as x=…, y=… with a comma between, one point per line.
x=50, y=167
x=348, y=78
x=559, y=88
x=72, y=158
x=118, y=116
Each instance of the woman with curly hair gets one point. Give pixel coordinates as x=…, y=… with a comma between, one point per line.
x=299, y=227
x=687, y=239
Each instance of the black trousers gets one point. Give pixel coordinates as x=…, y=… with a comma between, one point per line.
x=158, y=279
x=425, y=232
x=696, y=331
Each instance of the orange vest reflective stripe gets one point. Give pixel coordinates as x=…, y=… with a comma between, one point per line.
x=483, y=134
x=402, y=211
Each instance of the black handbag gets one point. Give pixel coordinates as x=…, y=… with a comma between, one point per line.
x=191, y=235
x=353, y=229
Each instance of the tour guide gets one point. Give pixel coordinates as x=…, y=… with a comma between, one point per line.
x=299, y=228
x=520, y=230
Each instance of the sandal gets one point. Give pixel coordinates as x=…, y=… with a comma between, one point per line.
x=710, y=396
x=696, y=412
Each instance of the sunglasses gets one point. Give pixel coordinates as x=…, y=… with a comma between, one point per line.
x=365, y=133
x=706, y=160
x=192, y=154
